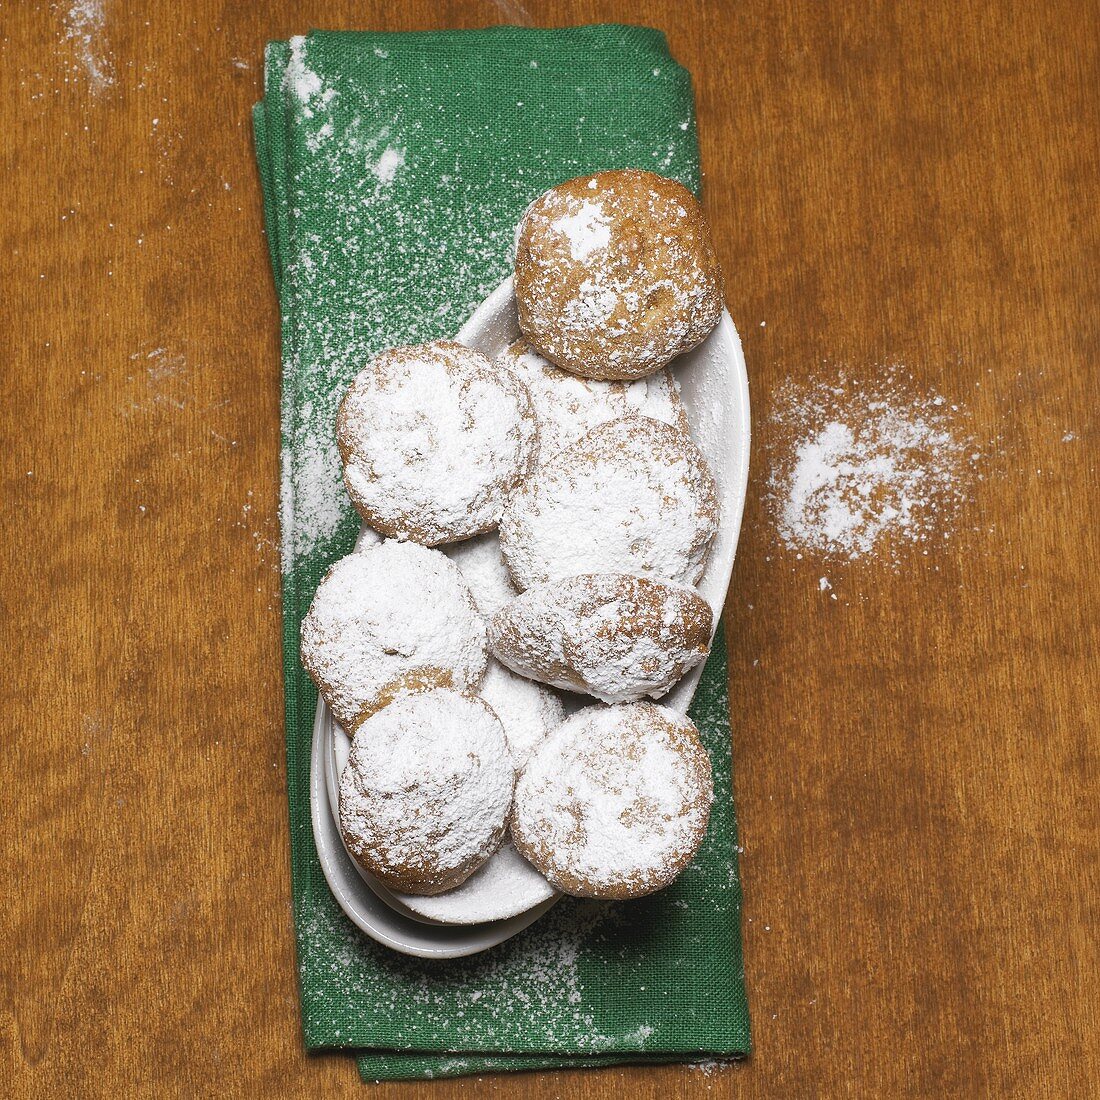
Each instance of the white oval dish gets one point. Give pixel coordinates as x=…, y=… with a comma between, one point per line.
x=507, y=894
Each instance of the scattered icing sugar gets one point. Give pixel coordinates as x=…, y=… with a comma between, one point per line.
x=386, y=167
x=305, y=85
x=316, y=140
x=85, y=24
x=568, y=406
x=300, y=78
x=385, y=612
x=866, y=469
x=613, y=636
x=634, y=496
x=532, y=983
x=427, y=789
x=709, y=1067
x=616, y=798
x=586, y=228
x=313, y=501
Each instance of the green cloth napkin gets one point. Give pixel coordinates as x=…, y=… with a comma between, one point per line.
x=394, y=168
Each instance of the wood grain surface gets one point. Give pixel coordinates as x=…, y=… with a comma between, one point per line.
x=916, y=760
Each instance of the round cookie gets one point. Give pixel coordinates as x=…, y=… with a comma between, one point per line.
x=391, y=617
x=614, y=804
x=433, y=437
x=611, y=635
x=632, y=496
x=616, y=274
x=425, y=795
x=568, y=406
x=527, y=710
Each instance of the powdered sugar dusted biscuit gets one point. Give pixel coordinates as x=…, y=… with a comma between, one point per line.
x=527, y=710
x=433, y=437
x=425, y=796
x=568, y=406
x=633, y=496
x=616, y=274
x=614, y=804
x=390, y=618
x=614, y=636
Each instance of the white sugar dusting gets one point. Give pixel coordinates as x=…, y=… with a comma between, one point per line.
x=867, y=469
x=386, y=167
x=532, y=983
x=528, y=711
x=85, y=23
x=302, y=82
x=587, y=230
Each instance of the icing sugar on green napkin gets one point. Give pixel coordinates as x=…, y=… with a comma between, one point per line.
x=394, y=169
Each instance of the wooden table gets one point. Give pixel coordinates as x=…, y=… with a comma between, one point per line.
x=916, y=761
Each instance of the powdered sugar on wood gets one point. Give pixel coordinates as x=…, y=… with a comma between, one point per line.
x=867, y=469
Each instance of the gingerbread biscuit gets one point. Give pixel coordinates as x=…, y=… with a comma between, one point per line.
x=433, y=437
x=614, y=804
x=425, y=795
x=392, y=617
x=616, y=274
x=632, y=496
x=614, y=636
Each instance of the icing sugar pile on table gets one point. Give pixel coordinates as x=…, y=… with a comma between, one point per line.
x=867, y=468
x=85, y=24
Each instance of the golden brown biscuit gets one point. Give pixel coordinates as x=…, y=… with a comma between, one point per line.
x=616, y=274
x=433, y=437
x=614, y=804
x=394, y=616
x=632, y=496
x=568, y=406
x=611, y=635
x=425, y=795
